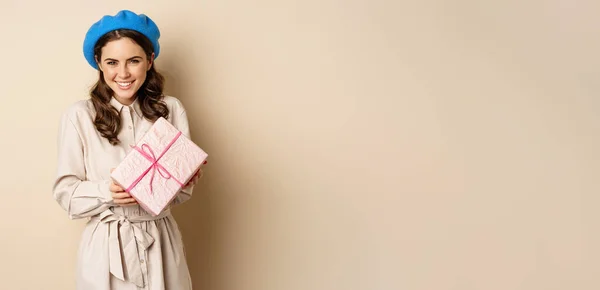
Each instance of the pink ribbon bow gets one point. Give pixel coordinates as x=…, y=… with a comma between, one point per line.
x=148, y=153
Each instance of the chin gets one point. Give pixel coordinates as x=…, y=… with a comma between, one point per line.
x=125, y=94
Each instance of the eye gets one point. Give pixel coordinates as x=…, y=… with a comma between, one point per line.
x=135, y=61
x=111, y=62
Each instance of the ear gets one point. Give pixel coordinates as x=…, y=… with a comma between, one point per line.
x=150, y=61
x=98, y=63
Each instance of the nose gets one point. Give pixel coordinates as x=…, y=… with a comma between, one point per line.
x=123, y=72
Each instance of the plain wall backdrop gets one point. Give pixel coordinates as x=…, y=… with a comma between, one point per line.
x=447, y=145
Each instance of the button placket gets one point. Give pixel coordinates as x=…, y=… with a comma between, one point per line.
x=144, y=265
x=129, y=125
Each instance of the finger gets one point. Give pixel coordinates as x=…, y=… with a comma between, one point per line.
x=121, y=195
x=115, y=188
x=194, y=180
x=129, y=201
x=126, y=202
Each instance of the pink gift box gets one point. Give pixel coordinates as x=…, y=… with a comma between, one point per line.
x=159, y=166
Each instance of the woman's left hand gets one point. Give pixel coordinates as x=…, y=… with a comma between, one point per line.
x=195, y=178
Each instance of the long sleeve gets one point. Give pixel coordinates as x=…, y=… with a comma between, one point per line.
x=180, y=121
x=78, y=196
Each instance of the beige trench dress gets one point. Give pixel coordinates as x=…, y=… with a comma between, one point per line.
x=121, y=247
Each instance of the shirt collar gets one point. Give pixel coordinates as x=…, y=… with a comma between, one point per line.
x=135, y=106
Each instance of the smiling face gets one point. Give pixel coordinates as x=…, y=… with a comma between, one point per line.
x=124, y=65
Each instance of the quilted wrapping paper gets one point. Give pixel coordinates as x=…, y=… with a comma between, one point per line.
x=157, y=168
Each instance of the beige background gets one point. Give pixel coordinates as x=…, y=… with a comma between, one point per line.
x=354, y=144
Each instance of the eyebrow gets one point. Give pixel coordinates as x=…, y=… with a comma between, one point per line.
x=112, y=59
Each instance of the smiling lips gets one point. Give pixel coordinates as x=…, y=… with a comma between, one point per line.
x=124, y=85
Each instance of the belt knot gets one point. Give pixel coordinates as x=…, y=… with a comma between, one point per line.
x=125, y=243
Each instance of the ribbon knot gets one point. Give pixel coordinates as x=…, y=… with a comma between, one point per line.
x=127, y=241
x=148, y=153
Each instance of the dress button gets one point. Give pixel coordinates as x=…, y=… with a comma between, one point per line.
x=142, y=261
x=130, y=127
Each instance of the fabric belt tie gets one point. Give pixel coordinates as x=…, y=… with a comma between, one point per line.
x=126, y=240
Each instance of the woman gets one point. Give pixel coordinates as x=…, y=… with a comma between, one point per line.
x=122, y=247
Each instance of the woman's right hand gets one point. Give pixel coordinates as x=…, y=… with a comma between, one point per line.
x=120, y=196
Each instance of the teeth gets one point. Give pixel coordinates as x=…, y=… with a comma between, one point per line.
x=124, y=84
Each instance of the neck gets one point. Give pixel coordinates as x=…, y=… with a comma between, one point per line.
x=125, y=102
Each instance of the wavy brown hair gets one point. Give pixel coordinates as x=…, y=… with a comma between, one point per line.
x=150, y=95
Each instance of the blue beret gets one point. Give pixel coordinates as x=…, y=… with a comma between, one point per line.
x=124, y=19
